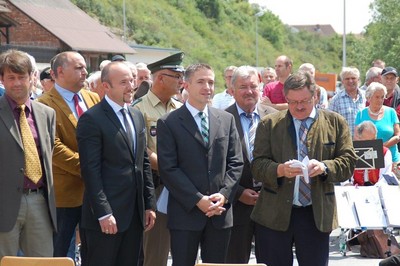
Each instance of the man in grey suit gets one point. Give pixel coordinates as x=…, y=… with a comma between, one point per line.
x=119, y=201
x=27, y=205
x=247, y=112
x=200, y=162
x=293, y=209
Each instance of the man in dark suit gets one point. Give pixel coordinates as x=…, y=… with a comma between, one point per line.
x=27, y=206
x=247, y=113
x=119, y=198
x=291, y=208
x=200, y=162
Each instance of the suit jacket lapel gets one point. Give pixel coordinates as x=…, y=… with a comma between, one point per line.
x=114, y=119
x=136, y=122
x=86, y=98
x=214, y=123
x=7, y=116
x=190, y=125
x=233, y=110
x=60, y=102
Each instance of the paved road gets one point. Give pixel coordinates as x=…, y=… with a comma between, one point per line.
x=352, y=258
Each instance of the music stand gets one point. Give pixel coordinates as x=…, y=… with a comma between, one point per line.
x=369, y=154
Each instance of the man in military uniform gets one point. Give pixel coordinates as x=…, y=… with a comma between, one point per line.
x=167, y=80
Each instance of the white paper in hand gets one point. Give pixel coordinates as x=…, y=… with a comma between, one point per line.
x=303, y=165
x=162, y=202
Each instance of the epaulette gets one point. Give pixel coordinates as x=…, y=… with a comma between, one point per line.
x=136, y=101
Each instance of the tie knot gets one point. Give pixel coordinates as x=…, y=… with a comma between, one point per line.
x=249, y=115
x=76, y=97
x=304, y=121
x=21, y=107
x=202, y=115
x=123, y=111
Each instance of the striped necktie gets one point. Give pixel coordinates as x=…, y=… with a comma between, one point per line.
x=304, y=188
x=204, y=127
x=33, y=168
x=252, y=133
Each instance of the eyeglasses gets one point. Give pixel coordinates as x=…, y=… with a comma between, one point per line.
x=303, y=102
x=178, y=77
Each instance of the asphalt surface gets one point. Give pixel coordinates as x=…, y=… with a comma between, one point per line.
x=352, y=258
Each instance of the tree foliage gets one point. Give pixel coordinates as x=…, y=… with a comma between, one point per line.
x=222, y=33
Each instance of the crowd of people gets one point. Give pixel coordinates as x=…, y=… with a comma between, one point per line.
x=136, y=162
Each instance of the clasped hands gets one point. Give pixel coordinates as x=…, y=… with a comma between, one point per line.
x=315, y=168
x=212, y=205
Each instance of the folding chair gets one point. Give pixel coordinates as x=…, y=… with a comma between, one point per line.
x=36, y=261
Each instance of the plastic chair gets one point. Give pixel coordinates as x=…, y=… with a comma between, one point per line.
x=36, y=261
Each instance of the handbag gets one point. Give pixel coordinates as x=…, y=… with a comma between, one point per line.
x=374, y=244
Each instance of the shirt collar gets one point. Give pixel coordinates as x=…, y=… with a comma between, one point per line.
x=154, y=100
x=14, y=105
x=312, y=115
x=116, y=107
x=66, y=94
x=194, y=111
x=241, y=111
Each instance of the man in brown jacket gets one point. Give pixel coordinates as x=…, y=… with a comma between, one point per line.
x=69, y=101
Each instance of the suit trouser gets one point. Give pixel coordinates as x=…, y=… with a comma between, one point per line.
x=32, y=232
x=213, y=242
x=120, y=249
x=240, y=243
x=275, y=248
x=67, y=221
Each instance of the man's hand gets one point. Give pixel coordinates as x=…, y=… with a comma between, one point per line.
x=212, y=205
x=249, y=197
x=315, y=168
x=109, y=225
x=284, y=169
x=150, y=219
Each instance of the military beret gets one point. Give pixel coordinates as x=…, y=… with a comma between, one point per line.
x=172, y=62
x=45, y=74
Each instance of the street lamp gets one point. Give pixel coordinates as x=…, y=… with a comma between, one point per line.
x=259, y=14
x=344, y=34
x=124, y=16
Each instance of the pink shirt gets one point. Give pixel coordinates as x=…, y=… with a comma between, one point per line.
x=274, y=91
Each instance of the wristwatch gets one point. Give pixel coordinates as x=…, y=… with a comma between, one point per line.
x=326, y=170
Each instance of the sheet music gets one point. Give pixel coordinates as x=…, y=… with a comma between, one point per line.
x=390, y=196
x=346, y=210
x=369, y=207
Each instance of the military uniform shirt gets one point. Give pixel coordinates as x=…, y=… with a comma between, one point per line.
x=152, y=109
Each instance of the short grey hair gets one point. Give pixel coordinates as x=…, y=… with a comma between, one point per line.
x=366, y=126
x=374, y=87
x=244, y=72
x=308, y=67
x=93, y=78
x=141, y=66
x=372, y=73
x=346, y=71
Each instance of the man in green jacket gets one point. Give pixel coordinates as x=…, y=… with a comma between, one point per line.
x=297, y=206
